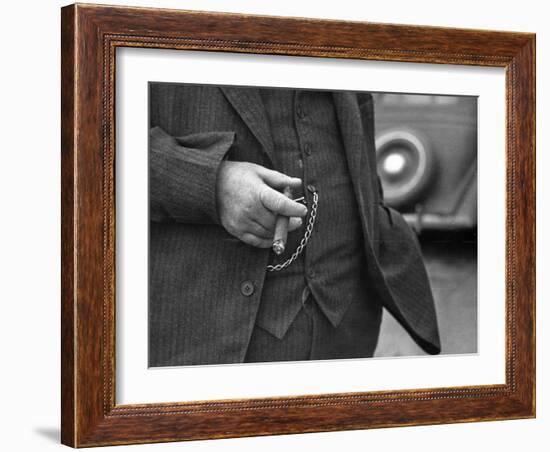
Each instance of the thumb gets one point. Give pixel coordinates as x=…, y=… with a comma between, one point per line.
x=279, y=180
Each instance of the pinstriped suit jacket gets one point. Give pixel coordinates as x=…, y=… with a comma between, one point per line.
x=197, y=311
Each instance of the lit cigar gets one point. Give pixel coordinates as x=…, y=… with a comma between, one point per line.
x=281, y=228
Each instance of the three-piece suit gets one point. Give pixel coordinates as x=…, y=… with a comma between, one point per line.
x=211, y=298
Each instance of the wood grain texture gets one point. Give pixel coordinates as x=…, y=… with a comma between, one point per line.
x=68, y=310
x=90, y=36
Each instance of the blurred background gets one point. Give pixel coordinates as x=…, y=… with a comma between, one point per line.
x=426, y=149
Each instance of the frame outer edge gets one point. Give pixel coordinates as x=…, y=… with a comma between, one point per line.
x=86, y=419
x=525, y=62
x=68, y=240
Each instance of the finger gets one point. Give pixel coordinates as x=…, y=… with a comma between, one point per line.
x=265, y=217
x=258, y=242
x=279, y=180
x=257, y=229
x=278, y=203
x=294, y=224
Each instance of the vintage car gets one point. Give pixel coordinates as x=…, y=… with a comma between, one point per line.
x=427, y=162
x=427, y=158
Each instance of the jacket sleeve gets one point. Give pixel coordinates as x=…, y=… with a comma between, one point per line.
x=400, y=259
x=183, y=173
x=405, y=285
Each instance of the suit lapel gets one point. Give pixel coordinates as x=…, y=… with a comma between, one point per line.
x=353, y=136
x=248, y=104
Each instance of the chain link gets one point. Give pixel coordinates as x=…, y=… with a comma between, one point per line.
x=303, y=242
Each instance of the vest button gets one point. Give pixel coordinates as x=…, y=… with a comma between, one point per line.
x=307, y=149
x=311, y=188
x=300, y=113
x=247, y=288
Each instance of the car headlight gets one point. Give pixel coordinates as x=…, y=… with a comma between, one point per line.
x=406, y=165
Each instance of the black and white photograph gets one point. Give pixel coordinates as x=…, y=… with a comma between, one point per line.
x=292, y=224
x=245, y=226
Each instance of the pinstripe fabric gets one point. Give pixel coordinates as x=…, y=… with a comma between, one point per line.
x=199, y=310
x=198, y=156
x=308, y=144
x=395, y=269
x=195, y=318
x=312, y=336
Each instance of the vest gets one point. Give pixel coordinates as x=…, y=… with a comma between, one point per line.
x=331, y=268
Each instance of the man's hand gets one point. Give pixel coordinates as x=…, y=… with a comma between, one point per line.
x=249, y=199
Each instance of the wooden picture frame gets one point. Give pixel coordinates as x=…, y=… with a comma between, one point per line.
x=90, y=36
